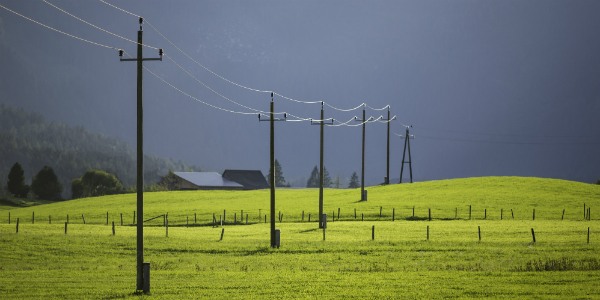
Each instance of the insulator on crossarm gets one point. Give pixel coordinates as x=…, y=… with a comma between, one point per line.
x=121, y=52
x=161, y=52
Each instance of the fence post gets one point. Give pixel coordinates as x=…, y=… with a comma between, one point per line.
x=533, y=234
x=234, y=218
x=187, y=221
x=9, y=217
x=222, y=232
x=83, y=218
x=588, y=240
x=455, y=212
x=266, y=219
x=413, y=211
x=393, y=214
x=429, y=214
x=485, y=214
x=512, y=214
x=309, y=218
x=380, y=209
x=469, y=212
x=246, y=219
x=534, y=214
x=563, y=215
x=338, y=213
x=167, y=226
x=362, y=216
x=113, y=224
x=121, y=219
x=479, y=232
x=32, y=217
x=242, y=216
x=17, y=225
x=428, y=232
x=194, y=218
x=214, y=220
x=354, y=214
x=373, y=233
x=66, y=227
x=223, y=216
x=133, y=217
x=501, y=213
x=221, y=220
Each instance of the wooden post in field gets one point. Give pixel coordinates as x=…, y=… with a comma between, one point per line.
x=242, y=216
x=223, y=216
x=355, y=214
x=485, y=214
x=588, y=240
x=430, y=214
x=393, y=214
x=265, y=219
x=246, y=219
x=309, y=218
x=362, y=216
x=221, y=220
x=512, y=214
x=380, y=209
x=17, y=225
x=338, y=213
x=9, y=218
x=428, y=232
x=533, y=234
x=469, y=212
x=66, y=227
x=333, y=216
x=194, y=218
x=214, y=220
x=323, y=232
x=113, y=223
x=222, y=232
x=534, y=214
x=133, y=217
x=455, y=212
x=121, y=219
x=167, y=227
x=164, y=220
x=187, y=221
x=413, y=211
x=281, y=218
x=563, y=215
x=302, y=216
x=373, y=233
x=234, y=218
x=501, y=213
x=82, y=217
x=479, y=232
x=589, y=213
x=32, y=217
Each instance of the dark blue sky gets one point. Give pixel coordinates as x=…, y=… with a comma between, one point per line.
x=492, y=88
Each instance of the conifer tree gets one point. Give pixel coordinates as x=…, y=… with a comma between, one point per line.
x=326, y=178
x=46, y=185
x=313, y=180
x=353, y=181
x=16, y=181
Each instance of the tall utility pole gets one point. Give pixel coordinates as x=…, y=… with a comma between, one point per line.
x=409, y=162
x=387, y=174
x=272, y=167
x=321, y=172
x=362, y=175
x=140, y=157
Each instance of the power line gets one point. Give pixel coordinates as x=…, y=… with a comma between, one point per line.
x=129, y=40
x=51, y=28
x=514, y=135
x=510, y=143
x=227, y=80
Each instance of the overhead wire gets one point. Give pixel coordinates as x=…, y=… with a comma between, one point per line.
x=225, y=79
x=511, y=143
x=114, y=34
x=62, y=32
x=513, y=135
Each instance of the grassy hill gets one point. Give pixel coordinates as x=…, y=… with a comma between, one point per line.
x=418, y=259
x=448, y=199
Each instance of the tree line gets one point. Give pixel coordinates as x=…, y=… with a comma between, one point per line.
x=70, y=151
x=313, y=179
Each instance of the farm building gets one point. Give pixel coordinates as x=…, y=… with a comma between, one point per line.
x=230, y=180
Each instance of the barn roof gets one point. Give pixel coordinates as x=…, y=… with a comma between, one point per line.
x=250, y=179
x=208, y=179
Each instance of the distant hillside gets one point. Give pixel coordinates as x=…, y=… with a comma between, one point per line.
x=27, y=138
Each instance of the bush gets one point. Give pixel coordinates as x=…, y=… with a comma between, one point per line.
x=46, y=185
x=95, y=183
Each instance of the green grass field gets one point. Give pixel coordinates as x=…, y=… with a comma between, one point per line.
x=192, y=262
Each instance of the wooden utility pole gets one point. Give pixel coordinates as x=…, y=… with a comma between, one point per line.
x=140, y=156
x=322, y=167
x=387, y=174
x=362, y=175
x=272, y=167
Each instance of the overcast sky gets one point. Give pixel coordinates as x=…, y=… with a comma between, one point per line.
x=491, y=88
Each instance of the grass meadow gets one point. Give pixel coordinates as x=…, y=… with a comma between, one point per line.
x=42, y=262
